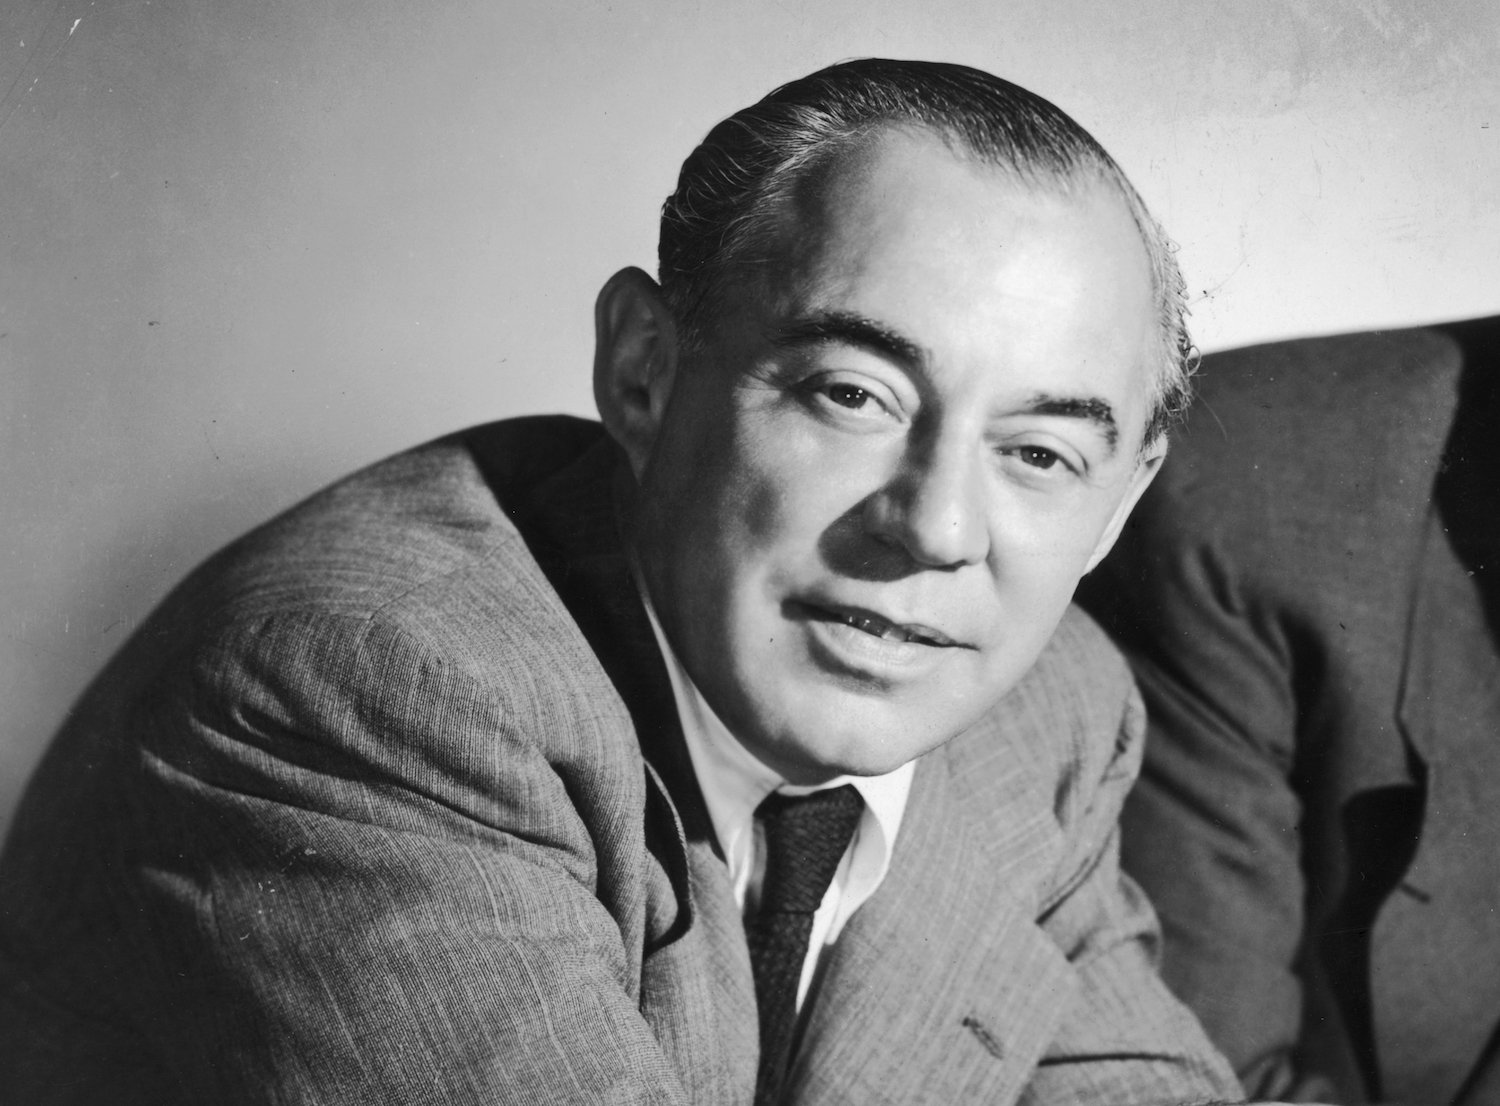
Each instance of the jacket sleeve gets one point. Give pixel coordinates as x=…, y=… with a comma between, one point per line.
x=1125, y=1039
x=364, y=878
x=1212, y=829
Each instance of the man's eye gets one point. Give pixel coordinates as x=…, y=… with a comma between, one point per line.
x=1037, y=457
x=847, y=395
x=850, y=400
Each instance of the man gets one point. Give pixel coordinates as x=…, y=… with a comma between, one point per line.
x=1309, y=596
x=452, y=784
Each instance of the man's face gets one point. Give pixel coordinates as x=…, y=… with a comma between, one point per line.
x=869, y=498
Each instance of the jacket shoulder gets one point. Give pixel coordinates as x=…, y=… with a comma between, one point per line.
x=1350, y=376
x=405, y=583
x=1303, y=450
x=1337, y=418
x=420, y=541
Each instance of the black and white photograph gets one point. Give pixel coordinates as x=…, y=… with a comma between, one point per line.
x=750, y=553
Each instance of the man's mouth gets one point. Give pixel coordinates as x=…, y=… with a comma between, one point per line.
x=868, y=622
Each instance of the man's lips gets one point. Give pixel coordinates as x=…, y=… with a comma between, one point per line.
x=878, y=625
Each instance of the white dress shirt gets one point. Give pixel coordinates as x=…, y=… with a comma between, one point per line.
x=734, y=782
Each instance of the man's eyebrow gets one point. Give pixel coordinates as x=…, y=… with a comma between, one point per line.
x=854, y=329
x=1095, y=410
x=851, y=329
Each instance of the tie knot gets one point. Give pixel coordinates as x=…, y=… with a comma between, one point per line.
x=806, y=836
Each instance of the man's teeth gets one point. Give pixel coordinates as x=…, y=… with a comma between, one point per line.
x=879, y=627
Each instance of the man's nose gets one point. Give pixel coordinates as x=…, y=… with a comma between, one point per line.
x=933, y=508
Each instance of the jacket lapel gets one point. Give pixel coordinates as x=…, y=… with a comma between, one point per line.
x=966, y=1008
x=1435, y=983
x=697, y=991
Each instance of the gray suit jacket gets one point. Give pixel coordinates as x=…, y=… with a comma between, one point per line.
x=1309, y=595
x=389, y=803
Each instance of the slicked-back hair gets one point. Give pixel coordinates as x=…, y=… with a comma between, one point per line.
x=735, y=188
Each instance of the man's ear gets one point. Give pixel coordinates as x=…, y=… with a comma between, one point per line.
x=635, y=361
x=1145, y=471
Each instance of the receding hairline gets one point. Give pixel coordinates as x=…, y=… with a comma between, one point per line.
x=793, y=225
x=794, y=211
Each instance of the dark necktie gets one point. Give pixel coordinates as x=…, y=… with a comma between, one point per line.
x=805, y=838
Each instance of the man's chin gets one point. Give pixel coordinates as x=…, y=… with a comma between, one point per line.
x=806, y=766
x=822, y=729
x=861, y=756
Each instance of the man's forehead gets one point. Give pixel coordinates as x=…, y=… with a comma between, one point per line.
x=905, y=205
x=843, y=180
x=876, y=181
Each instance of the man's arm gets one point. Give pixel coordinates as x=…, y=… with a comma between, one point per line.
x=1125, y=1039
x=353, y=875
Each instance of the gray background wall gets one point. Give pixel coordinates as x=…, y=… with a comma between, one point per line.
x=245, y=247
